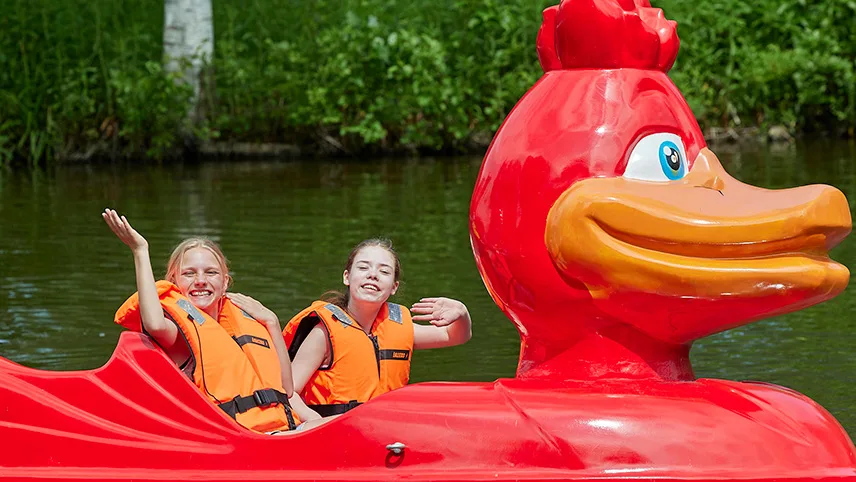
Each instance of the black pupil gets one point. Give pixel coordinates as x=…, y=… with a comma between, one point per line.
x=674, y=158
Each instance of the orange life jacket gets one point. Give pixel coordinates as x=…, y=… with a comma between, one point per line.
x=362, y=365
x=239, y=369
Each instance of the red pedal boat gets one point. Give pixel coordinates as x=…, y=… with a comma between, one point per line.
x=610, y=235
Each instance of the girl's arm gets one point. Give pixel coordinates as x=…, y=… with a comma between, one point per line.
x=161, y=329
x=310, y=356
x=299, y=406
x=450, y=323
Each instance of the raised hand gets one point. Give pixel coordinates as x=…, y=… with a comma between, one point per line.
x=162, y=330
x=123, y=230
x=439, y=311
x=254, y=308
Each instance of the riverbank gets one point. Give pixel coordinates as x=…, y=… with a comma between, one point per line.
x=82, y=80
x=330, y=148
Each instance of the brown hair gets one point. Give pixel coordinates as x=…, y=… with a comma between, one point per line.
x=174, y=263
x=341, y=299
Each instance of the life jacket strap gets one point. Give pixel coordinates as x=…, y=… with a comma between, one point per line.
x=261, y=399
x=328, y=409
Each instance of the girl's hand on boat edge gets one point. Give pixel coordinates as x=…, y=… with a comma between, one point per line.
x=439, y=311
x=255, y=309
x=123, y=230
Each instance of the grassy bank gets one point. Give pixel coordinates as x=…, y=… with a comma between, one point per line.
x=361, y=76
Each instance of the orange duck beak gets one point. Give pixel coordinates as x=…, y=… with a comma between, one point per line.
x=684, y=259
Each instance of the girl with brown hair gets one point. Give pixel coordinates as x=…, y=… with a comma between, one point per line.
x=348, y=348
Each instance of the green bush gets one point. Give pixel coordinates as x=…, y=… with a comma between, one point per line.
x=151, y=107
x=367, y=75
x=786, y=62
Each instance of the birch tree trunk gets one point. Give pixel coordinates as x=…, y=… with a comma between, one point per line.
x=188, y=44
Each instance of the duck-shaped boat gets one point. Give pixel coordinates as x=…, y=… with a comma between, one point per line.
x=610, y=235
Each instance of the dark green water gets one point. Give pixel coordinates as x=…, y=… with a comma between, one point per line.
x=288, y=226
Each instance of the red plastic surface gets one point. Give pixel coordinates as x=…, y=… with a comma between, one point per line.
x=609, y=276
x=139, y=418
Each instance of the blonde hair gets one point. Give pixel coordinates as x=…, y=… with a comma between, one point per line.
x=174, y=264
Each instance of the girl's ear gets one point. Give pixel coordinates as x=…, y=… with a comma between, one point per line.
x=228, y=282
x=345, y=278
x=395, y=287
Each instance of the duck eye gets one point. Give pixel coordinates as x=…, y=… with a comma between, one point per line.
x=671, y=160
x=657, y=157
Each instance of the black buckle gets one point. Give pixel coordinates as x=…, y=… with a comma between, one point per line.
x=265, y=398
x=230, y=407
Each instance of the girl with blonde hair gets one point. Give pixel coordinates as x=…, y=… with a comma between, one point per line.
x=244, y=367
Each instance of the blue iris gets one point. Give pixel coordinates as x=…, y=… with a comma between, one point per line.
x=671, y=161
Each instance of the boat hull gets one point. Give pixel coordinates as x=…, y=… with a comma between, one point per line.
x=139, y=418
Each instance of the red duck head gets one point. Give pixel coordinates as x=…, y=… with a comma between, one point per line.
x=605, y=229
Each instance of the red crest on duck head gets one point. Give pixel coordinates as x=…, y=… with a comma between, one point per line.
x=606, y=34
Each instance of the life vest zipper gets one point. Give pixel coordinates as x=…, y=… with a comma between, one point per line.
x=373, y=338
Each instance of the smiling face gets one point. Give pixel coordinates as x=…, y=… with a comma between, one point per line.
x=202, y=280
x=200, y=270
x=372, y=276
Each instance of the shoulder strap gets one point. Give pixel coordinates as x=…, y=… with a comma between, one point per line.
x=395, y=312
x=339, y=314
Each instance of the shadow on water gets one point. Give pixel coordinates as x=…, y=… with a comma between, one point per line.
x=287, y=228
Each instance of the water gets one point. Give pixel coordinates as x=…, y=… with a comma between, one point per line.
x=287, y=228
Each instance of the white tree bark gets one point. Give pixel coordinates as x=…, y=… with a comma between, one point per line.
x=188, y=41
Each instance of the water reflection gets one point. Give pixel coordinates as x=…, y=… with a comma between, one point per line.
x=287, y=228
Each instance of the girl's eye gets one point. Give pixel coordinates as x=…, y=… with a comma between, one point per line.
x=385, y=272
x=657, y=157
x=211, y=273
